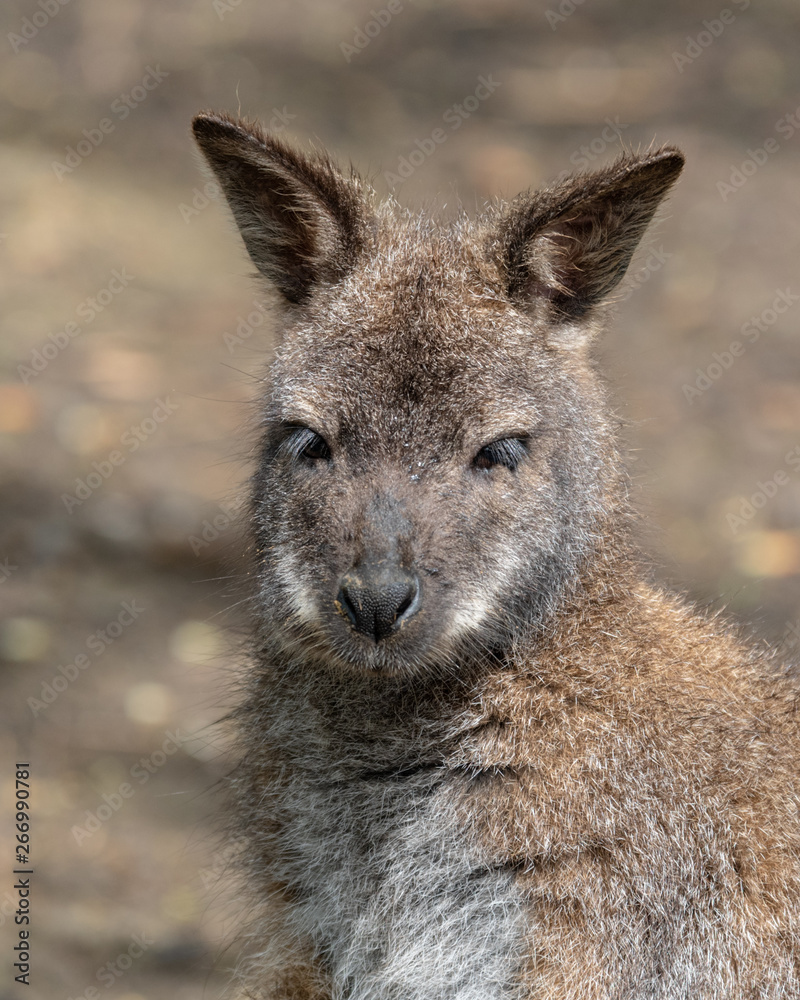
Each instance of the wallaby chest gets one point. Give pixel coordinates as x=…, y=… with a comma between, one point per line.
x=393, y=888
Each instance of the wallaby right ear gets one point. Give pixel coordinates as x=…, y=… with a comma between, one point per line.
x=302, y=222
x=571, y=244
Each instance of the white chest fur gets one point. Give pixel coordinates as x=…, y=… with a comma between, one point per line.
x=397, y=901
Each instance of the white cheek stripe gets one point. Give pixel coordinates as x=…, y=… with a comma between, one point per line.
x=299, y=594
x=468, y=618
x=475, y=608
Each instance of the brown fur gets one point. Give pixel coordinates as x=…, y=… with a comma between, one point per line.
x=543, y=777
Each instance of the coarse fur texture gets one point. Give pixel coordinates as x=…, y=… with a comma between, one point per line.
x=480, y=755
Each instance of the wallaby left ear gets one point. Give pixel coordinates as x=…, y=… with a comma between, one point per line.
x=302, y=222
x=571, y=244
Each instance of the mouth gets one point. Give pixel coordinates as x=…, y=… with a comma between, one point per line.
x=396, y=652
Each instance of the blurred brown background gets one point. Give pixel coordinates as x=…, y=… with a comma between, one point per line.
x=133, y=335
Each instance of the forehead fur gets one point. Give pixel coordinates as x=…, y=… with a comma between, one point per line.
x=423, y=314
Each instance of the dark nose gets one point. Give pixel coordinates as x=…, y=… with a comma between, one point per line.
x=379, y=600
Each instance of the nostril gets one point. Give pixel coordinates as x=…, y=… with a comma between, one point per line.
x=408, y=600
x=377, y=604
x=345, y=600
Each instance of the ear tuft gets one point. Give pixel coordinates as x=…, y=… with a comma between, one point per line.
x=302, y=222
x=571, y=244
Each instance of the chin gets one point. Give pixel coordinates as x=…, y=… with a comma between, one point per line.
x=396, y=657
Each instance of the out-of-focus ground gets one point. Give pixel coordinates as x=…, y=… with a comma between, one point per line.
x=119, y=238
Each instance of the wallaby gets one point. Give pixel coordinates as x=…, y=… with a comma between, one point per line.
x=481, y=755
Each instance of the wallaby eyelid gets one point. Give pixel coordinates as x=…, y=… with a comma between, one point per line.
x=507, y=452
x=300, y=441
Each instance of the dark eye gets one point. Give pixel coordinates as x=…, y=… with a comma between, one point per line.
x=306, y=444
x=507, y=451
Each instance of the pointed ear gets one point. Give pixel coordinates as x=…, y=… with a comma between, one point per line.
x=302, y=222
x=570, y=245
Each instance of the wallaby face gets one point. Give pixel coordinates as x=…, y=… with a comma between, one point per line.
x=418, y=475
x=436, y=460
x=481, y=757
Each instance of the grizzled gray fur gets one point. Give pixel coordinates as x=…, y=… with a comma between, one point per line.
x=479, y=754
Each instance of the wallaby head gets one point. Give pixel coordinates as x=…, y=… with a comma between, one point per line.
x=437, y=469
